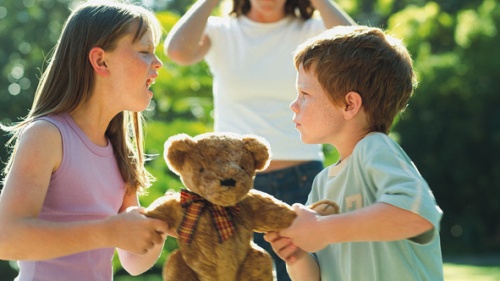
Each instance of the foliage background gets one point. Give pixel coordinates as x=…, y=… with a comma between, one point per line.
x=451, y=128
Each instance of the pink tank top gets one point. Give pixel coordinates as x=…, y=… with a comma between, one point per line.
x=87, y=186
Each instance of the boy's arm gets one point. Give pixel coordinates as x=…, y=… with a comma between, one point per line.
x=301, y=266
x=377, y=222
x=186, y=43
x=304, y=268
x=331, y=13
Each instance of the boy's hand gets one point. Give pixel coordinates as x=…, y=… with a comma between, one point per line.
x=284, y=248
x=304, y=231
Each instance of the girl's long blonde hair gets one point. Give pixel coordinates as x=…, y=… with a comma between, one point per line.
x=69, y=79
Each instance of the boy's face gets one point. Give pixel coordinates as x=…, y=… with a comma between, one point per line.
x=318, y=120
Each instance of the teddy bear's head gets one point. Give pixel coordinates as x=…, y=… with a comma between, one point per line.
x=219, y=167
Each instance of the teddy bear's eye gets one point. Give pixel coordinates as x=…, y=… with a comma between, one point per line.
x=202, y=169
x=243, y=168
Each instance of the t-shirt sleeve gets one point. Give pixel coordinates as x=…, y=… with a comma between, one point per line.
x=399, y=183
x=311, y=27
x=213, y=31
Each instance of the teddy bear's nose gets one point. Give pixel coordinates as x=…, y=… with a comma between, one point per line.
x=228, y=182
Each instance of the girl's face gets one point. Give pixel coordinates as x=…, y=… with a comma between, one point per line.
x=133, y=68
x=318, y=120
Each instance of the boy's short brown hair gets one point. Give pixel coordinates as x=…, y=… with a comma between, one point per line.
x=365, y=60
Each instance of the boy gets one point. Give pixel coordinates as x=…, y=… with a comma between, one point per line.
x=351, y=83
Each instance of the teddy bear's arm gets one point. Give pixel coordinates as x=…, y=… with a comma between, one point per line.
x=168, y=209
x=268, y=213
x=325, y=207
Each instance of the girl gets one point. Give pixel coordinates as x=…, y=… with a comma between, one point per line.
x=71, y=185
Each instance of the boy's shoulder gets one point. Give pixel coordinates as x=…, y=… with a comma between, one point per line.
x=377, y=144
x=375, y=138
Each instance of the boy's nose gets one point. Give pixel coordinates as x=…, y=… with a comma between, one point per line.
x=293, y=105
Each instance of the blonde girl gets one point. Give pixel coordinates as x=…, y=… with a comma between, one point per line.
x=71, y=184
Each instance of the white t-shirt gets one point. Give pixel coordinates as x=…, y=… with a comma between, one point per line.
x=379, y=170
x=254, y=80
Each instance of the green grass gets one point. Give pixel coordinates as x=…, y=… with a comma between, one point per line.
x=139, y=278
x=458, y=272
x=452, y=272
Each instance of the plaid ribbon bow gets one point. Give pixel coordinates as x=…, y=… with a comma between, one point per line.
x=195, y=205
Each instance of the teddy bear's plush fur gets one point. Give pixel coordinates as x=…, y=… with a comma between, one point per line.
x=215, y=217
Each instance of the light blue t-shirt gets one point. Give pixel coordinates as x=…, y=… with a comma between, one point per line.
x=379, y=170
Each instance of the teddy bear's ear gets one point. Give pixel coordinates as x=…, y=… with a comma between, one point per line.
x=259, y=149
x=176, y=149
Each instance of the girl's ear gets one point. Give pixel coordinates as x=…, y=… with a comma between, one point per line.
x=96, y=58
x=354, y=102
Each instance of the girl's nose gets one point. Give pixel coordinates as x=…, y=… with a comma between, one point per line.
x=157, y=64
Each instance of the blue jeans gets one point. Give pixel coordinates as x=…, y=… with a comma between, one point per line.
x=290, y=185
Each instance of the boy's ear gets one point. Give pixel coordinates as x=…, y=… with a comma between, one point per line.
x=354, y=102
x=96, y=58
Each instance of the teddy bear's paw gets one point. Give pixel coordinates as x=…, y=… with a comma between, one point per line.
x=325, y=207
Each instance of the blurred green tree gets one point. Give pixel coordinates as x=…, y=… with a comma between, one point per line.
x=452, y=126
x=29, y=30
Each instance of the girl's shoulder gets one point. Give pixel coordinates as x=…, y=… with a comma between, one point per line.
x=40, y=135
x=40, y=142
x=41, y=129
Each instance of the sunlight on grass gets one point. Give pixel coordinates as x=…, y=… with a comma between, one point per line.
x=456, y=272
x=452, y=272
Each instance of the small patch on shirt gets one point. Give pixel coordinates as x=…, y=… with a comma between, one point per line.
x=354, y=202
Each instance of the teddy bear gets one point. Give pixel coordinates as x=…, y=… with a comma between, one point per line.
x=215, y=216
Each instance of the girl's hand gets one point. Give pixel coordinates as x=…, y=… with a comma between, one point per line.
x=137, y=233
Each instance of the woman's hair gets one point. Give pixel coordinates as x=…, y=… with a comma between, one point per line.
x=69, y=79
x=296, y=8
x=364, y=60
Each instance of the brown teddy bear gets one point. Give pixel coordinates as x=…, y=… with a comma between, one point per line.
x=215, y=217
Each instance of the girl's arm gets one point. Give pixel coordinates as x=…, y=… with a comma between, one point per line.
x=331, y=13
x=133, y=263
x=377, y=222
x=24, y=236
x=186, y=43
